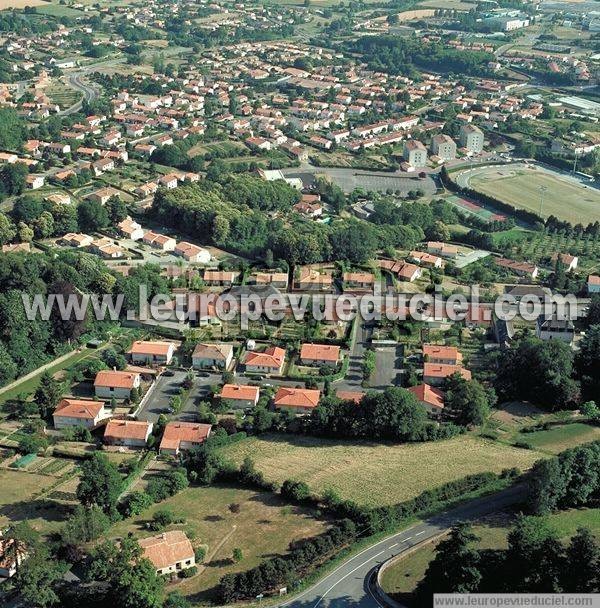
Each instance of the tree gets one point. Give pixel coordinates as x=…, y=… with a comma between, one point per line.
x=538, y=371
x=116, y=209
x=100, y=483
x=176, y=600
x=590, y=410
x=12, y=129
x=467, y=400
x=85, y=525
x=13, y=178
x=24, y=232
x=131, y=580
x=114, y=360
x=581, y=574
x=65, y=326
x=37, y=578
x=455, y=567
x=237, y=555
x=587, y=364
x=92, y=216
x=47, y=394
x=8, y=230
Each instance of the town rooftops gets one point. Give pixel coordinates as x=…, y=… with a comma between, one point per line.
x=435, y=351
x=188, y=432
x=593, y=280
x=78, y=408
x=212, y=351
x=143, y=347
x=442, y=370
x=320, y=352
x=167, y=548
x=297, y=397
x=428, y=394
x=115, y=379
x=127, y=429
x=271, y=357
x=241, y=392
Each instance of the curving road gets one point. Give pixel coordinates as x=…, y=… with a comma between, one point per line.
x=348, y=586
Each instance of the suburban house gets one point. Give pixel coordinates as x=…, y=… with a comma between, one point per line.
x=276, y=279
x=147, y=353
x=523, y=269
x=117, y=384
x=435, y=373
x=78, y=412
x=448, y=355
x=77, y=239
x=221, y=278
x=192, y=253
x=34, y=182
x=169, y=552
x=358, y=280
x=431, y=398
x=569, y=261
x=313, y=279
x=426, y=259
x=552, y=328
x=403, y=270
x=297, y=400
x=269, y=361
x=212, y=355
x=355, y=396
x=319, y=354
x=131, y=229
x=127, y=433
x=12, y=555
x=240, y=395
x=443, y=249
x=159, y=241
x=179, y=436
x=593, y=284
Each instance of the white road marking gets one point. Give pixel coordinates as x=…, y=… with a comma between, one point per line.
x=394, y=545
x=346, y=576
x=419, y=533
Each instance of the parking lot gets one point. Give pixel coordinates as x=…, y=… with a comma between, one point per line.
x=388, y=366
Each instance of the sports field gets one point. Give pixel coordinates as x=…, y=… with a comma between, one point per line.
x=377, y=474
x=532, y=187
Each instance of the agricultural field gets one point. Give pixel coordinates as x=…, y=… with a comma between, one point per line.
x=225, y=518
x=400, y=579
x=522, y=187
x=4, y=4
x=377, y=474
x=23, y=497
x=63, y=95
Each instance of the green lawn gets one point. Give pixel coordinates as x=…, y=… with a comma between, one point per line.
x=560, y=438
x=28, y=386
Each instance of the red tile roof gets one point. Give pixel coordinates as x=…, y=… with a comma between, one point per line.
x=428, y=394
x=320, y=352
x=189, y=432
x=167, y=548
x=272, y=357
x=240, y=391
x=297, y=397
x=78, y=408
x=127, y=429
x=115, y=379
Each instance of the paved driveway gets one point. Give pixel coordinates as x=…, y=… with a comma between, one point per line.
x=388, y=366
x=158, y=402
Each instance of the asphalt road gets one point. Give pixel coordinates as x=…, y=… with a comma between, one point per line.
x=348, y=585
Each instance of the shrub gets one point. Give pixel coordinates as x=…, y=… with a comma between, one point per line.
x=188, y=572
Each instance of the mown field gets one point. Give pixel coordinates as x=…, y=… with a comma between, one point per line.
x=377, y=474
x=563, y=197
x=264, y=526
x=401, y=579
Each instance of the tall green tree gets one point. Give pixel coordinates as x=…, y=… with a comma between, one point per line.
x=47, y=394
x=587, y=364
x=582, y=572
x=100, y=483
x=455, y=567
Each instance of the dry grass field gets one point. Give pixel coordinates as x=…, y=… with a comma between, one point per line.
x=377, y=474
x=263, y=526
x=4, y=4
x=564, y=197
